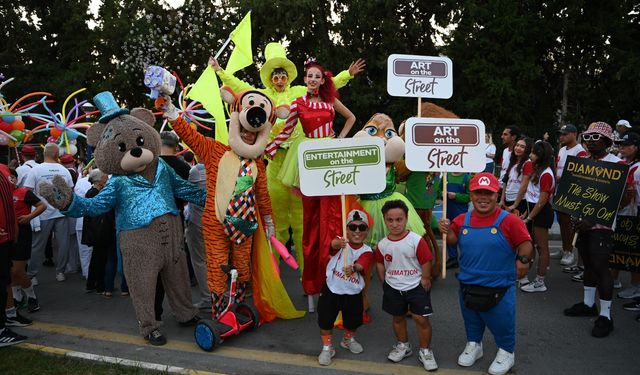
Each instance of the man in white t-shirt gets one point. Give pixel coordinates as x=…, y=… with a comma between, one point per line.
x=568, y=136
x=82, y=186
x=51, y=218
x=509, y=136
x=29, y=156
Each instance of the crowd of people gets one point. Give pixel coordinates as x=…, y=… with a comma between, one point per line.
x=510, y=214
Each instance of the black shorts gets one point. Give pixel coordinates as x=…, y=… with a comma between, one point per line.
x=329, y=304
x=21, y=250
x=397, y=303
x=522, y=206
x=595, y=241
x=544, y=218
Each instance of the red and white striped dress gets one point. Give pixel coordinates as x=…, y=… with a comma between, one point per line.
x=316, y=119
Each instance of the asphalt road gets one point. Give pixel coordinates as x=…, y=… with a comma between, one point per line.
x=547, y=342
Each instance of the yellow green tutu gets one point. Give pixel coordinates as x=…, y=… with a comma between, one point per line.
x=289, y=173
x=379, y=230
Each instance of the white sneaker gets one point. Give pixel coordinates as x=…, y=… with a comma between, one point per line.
x=535, y=286
x=399, y=352
x=631, y=292
x=59, y=277
x=503, y=363
x=524, y=281
x=579, y=277
x=425, y=356
x=326, y=354
x=34, y=281
x=555, y=254
x=352, y=345
x=472, y=352
x=568, y=258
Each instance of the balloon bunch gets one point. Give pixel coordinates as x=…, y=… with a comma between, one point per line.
x=12, y=115
x=64, y=128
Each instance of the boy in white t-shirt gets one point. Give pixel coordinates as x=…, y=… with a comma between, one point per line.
x=343, y=287
x=403, y=264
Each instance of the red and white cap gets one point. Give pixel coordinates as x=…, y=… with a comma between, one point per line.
x=484, y=181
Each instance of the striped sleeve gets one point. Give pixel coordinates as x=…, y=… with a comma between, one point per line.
x=197, y=142
x=286, y=131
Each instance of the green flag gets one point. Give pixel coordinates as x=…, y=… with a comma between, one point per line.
x=206, y=90
x=242, y=55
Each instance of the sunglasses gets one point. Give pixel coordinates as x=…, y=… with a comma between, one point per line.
x=360, y=227
x=591, y=137
x=279, y=78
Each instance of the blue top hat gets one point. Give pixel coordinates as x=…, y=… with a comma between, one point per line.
x=108, y=106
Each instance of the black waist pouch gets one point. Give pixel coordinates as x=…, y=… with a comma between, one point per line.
x=482, y=298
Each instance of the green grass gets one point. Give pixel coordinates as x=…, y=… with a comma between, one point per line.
x=24, y=362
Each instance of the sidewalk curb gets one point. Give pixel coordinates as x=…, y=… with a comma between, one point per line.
x=50, y=350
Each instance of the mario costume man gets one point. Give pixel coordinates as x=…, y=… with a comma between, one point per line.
x=276, y=75
x=494, y=246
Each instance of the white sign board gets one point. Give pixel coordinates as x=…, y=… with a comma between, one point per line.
x=342, y=166
x=420, y=76
x=445, y=145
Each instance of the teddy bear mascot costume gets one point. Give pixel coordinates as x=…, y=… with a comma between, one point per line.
x=142, y=190
x=237, y=196
x=276, y=75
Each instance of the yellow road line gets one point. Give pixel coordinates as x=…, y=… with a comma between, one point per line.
x=246, y=354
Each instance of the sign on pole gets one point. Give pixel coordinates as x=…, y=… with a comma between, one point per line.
x=420, y=76
x=445, y=145
x=591, y=189
x=342, y=166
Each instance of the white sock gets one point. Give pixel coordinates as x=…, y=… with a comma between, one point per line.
x=17, y=293
x=589, y=295
x=605, y=308
x=10, y=313
x=30, y=292
x=540, y=278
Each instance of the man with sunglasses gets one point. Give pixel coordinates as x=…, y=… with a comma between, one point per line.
x=568, y=136
x=276, y=75
x=595, y=242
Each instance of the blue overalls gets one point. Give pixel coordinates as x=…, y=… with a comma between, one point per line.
x=487, y=259
x=455, y=208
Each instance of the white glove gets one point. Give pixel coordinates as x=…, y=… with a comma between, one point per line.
x=170, y=111
x=269, y=227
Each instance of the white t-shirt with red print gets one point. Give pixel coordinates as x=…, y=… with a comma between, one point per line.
x=515, y=180
x=403, y=260
x=546, y=183
x=337, y=281
x=561, y=160
x=633, y=178
x=504, y=164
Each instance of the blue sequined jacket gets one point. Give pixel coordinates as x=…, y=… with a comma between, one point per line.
x=137, y=201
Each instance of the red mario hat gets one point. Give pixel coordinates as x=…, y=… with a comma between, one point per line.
x=484, y=181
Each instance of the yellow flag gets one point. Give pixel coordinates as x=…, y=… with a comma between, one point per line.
x=242, y=55
x=206, y=90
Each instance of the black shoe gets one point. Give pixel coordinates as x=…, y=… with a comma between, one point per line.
x=452, y=263
x=632, y=306
x=8, y=337
x=580, y=309
x=32, y=305
x=602, y=327
x=156, y=338
x=18, y=321
x=48, y=263
x=191, y=322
